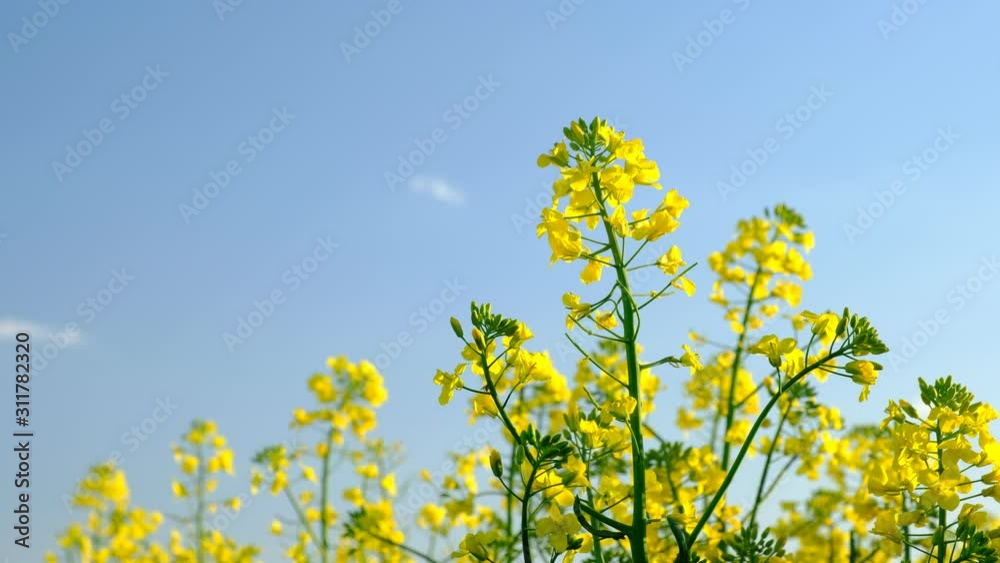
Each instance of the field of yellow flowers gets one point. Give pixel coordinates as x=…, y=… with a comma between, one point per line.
x=580, y=475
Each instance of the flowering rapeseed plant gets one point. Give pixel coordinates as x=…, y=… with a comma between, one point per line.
x=113, y=531
x=580, y=474
x=116, y=532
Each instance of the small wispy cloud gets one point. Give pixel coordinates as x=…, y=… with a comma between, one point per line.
x=10, y=327
x=438, y=189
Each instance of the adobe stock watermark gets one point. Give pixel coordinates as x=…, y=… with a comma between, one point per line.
x=132, y=439
x=531, y=214
x=365, y=33
x=420, y=321
x=912, y=170
x=225, y=515
x=31, y=25
x=87, y=310
x=786, y=127
x=225, y=7
x=292, y=280
x=483, y=435
x=455, y=116
x=562, y=13
x=122, y=107
x=698, y=43
x=230, y=515
x=248, y=150
x=958, y=297
x=899, y=17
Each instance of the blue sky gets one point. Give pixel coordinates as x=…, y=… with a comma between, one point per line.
x=266, y=99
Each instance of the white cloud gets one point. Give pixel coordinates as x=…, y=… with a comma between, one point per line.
x=10, y=327
x=438, y=189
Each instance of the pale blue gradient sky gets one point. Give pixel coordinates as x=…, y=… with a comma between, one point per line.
x=323, y=175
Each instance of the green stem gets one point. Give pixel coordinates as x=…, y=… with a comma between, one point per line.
x=777, y=479
x=501, y=410
x=637, y=535
x=906, y=539
x=402, y=547
x=942, y=547
x=767, y=466
x=749, y=441
x=598, y=554
x=734, y=375
x=515, y=462
x=713, y=439
x=324, y=498
x=510, y=504
x=525, y=542
x=199, y=513
x=303, y=521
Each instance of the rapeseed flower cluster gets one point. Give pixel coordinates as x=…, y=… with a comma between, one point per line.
x=573, y=467
x=117, y=532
